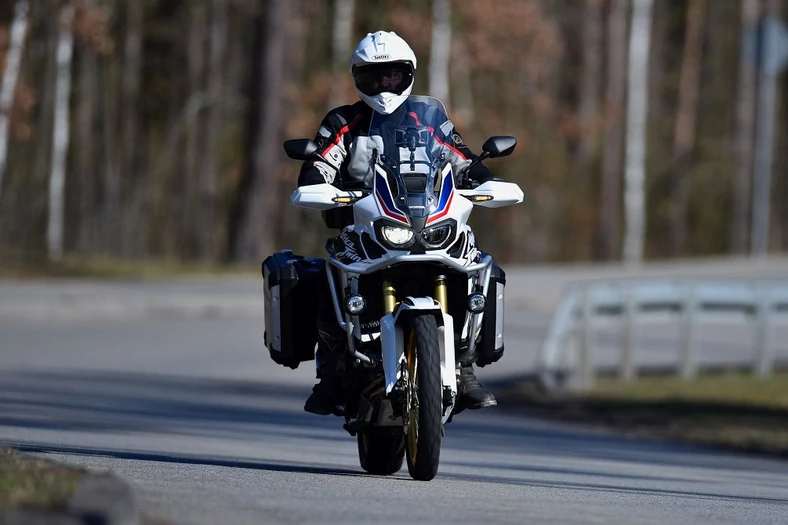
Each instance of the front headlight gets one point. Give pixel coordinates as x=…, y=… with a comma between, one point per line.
x=396, y=236
x=437, y=236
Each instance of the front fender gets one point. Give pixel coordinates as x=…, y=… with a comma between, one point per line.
x=392, y=337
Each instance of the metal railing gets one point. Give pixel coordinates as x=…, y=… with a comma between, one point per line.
x=631, y=304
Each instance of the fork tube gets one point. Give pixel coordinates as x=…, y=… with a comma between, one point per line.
x=389, y=297
x=441, y=293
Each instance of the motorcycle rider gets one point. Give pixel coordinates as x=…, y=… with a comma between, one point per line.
x=383, y=67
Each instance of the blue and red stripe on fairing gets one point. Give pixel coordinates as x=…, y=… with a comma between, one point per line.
x=384, y=198
x=447, y=195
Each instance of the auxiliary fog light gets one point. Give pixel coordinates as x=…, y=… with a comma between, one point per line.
x=355, y=304
x=476, y=302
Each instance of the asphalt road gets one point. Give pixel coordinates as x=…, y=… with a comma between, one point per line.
x=179, y=397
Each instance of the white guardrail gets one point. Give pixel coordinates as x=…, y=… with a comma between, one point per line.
x=566, y=357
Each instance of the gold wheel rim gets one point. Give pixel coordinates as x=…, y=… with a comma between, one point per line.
x=412, y=399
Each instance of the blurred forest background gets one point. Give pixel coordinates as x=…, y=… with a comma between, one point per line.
x=154, y=127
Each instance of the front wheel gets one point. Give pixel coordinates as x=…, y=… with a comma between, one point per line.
x=424, y=400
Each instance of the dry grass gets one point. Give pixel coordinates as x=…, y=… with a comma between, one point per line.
x=732, y=410
x=27, y=482
x=75, y=267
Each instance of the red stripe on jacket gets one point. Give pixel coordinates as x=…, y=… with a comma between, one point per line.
x=340, y=133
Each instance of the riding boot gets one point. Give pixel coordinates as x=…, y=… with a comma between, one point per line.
x=470, y=393
x=328, y=396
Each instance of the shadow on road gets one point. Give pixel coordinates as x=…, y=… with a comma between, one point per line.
x=192, y=460
x=129, y=402
x=126, y=403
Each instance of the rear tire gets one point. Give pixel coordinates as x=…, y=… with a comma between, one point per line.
x=381, y=454
x=424, y=445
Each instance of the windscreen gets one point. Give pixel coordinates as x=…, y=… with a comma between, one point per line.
x=412, y=155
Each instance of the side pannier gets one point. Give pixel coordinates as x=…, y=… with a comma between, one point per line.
x=490, y=347
x=291, y=284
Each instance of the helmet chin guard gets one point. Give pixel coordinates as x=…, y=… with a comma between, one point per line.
x=385, y=103
x=383, y=47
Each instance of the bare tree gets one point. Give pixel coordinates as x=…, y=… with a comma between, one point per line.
x=590, y=83
x=745, y=125
x=111, y=237
x=774, y=54
x=133, y=234
x=253, y=225
x=637, y=108
x=208, y=190
x=61, y=134
x=609, y=231
x=10, y=77
x=462, y=93
x=440, y=50
x=344, y=13
x=686, y=122
x=85, y=154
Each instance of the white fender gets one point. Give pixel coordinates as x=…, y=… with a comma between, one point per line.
x=502, y=193
x=392, y=339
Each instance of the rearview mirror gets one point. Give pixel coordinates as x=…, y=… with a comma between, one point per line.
x=300, y=149
x=500, y=146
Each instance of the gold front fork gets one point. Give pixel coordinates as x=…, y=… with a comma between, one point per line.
x=389, y=297
x=441, y=293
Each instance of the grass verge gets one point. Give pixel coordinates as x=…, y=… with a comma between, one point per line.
x=29, y=482
x=733, y=410
x=75, y=267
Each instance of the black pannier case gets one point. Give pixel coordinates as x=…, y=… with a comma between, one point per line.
x=291, y=285
x=490, y=347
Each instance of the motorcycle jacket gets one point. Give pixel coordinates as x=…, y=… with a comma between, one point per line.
x=344, y=145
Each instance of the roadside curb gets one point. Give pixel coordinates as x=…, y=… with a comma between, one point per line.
x=100, y=498
x=105, y=498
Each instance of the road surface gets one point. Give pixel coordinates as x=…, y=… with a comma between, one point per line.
x=185, y=404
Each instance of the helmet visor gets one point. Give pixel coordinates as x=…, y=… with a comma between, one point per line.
x=391, y=77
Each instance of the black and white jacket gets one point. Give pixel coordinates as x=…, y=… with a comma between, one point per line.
x=343, y=143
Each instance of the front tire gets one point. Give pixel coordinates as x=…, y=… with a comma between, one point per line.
x=381, y=454
x=424, y=430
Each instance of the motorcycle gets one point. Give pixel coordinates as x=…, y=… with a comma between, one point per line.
x=408, y=285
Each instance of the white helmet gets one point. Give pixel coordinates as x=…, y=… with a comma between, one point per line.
x=382, y=66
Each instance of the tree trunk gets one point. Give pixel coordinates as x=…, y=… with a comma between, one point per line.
x=207, y=215
x=10, y=77
x=637, y=109
x=61, y=129
x=133, y=230
x=660, y=42
x=686, y=123
x=440, y=50
x=111, y=206
x=589, y=86
x=344, y=13
x=463, y=105
x=609, y=231
x=745, y=125
x=254, y=222
x=86, y=152
x=195, y=146
x=772, y=31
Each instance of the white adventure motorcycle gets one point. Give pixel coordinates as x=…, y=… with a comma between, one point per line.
x=409, y=286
